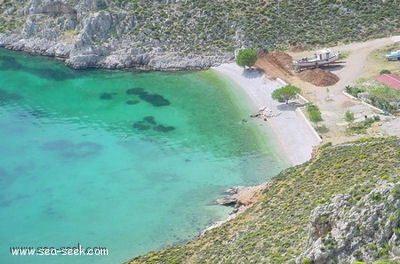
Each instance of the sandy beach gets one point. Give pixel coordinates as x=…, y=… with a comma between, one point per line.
x=291, y=133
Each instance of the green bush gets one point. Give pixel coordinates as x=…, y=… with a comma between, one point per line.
x=313, y=113
x=360, y=127
x=354, y=91
x=286, y=93
x=246, y=57
x=396, y=192
x=327, y=144
x=349, y=116
x=385, y=71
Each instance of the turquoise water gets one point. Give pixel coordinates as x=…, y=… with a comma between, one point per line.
x=122, y=160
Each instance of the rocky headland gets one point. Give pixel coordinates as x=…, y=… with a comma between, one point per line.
x=98, y=34
x=181, y=34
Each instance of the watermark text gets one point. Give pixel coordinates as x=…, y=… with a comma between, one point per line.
x=61, y=251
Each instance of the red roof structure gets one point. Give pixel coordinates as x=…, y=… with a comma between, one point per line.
x=392, y=80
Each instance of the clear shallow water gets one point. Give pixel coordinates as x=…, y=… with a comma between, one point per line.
x=83, y=159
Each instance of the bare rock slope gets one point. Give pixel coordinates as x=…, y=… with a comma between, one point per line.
x=181, y=34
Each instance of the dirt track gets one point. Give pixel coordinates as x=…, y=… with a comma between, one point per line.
x=331, y=101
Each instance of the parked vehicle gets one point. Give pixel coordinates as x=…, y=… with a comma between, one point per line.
x=394, y=55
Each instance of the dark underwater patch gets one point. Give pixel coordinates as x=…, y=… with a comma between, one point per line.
x=57, y=145
x=7, y=96
x=7, y=177
x=106, y=96
x=136, y=91
x=132, y=102
x=67, y=149
x=3, y=175
x=150, y=120
x=161, y=128
x=8, y=63
x=154, y=99
x=82, y=150
x=141, y=126
x=51, y=74
x=38, y=113
x=88, y=148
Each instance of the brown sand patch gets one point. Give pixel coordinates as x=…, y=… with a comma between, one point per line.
x=346, y=104
x=319, y=77
x=275, y=64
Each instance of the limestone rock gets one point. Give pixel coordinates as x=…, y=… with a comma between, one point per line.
x=356, y=228
x=101, y=34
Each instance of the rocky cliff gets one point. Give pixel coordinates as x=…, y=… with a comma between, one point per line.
x=182, y=34
x=100, y=33
x=356, y=227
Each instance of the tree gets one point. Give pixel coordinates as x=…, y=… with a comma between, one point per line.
x=285, y=93
x=385, y=71
x=314, y=114
x=246, y=57
x=349, y=116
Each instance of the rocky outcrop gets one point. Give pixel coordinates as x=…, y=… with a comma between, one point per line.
x=99, y=34
x=241, y=197
x=356, y=227
x=182, y=34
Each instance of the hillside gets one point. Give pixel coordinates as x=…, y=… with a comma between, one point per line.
x=179, y=35
x=340, y=207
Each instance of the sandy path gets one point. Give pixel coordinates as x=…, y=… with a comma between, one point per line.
x=292, y=134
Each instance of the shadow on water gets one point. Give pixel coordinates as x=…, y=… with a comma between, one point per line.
x=9, y=63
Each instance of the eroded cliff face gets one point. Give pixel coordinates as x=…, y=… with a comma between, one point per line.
x=183, y=34
x=356, y=228
x=101, y=33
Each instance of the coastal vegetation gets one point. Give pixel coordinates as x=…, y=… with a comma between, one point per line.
x=275, y=230
x=349, y=116
x=361, y=126
x=377, y=94
x=258, y=23
x=139, y=33
x=314, y=114
x=285, y=93
x=246, y=58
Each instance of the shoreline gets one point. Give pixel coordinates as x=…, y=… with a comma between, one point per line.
x=290, y=133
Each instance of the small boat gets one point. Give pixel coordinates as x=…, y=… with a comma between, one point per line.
x=394, y=55
x=320, y=58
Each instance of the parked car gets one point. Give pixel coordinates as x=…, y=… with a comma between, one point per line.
x=394, y=55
